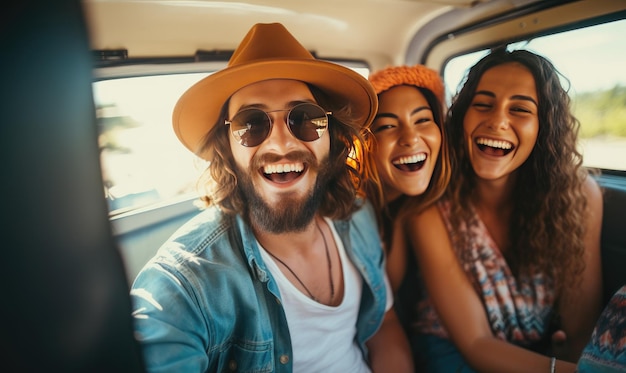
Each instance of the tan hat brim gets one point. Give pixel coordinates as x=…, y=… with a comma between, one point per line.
x=198, y=109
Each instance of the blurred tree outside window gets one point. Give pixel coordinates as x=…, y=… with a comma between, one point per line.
x=142, y=160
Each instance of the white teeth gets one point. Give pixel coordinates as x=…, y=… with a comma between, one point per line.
x=410, y=159
x=494, y=143
x=281, y=168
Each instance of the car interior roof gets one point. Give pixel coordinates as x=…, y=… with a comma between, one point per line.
x=376, y=31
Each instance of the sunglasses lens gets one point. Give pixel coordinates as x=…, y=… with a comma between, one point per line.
x=307, y=122
x=250, y=127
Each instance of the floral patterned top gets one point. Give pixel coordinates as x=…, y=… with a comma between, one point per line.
x=519, y=309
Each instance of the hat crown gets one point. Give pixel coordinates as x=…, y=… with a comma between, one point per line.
x=268, y=51
x=269, y=41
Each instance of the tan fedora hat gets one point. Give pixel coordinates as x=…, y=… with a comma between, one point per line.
x=268, y=51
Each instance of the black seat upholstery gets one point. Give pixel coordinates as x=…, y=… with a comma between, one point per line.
x=65, y=301
x=613, y=239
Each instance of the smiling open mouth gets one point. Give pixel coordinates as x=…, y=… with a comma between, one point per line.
x=494, y=147
x=283, y=173
x=410, y=163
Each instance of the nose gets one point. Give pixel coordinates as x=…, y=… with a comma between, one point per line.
x=409, y=135
x=280, y=137
x=499, y=119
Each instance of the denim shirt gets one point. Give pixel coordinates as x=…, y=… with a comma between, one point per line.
x=207, y=302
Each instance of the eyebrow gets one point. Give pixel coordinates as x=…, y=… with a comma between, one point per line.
x=392, y=115
x=514, y=97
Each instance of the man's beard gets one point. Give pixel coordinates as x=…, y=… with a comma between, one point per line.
x=291, y=213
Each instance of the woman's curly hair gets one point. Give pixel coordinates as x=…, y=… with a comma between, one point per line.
x=547, y=227
x=218, y=183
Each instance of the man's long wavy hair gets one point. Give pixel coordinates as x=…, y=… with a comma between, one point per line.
x=218, y=183
x=547, y=227
x=372, y=184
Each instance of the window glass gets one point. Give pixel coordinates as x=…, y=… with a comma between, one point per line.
x=592, y=59
x=142, y=160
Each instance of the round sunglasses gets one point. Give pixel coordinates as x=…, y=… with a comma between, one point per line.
x=306, y=121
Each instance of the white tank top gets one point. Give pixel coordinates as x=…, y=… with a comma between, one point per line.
x=323, y=337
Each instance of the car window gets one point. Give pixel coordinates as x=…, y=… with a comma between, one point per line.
x=592, y=59
x=142, y=160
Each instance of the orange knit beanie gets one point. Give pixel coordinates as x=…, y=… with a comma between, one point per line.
x=417, y=75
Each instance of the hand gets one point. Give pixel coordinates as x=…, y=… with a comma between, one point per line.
x=558, y=344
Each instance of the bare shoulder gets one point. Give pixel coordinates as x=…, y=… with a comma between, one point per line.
x=594, y=214
x=426, y=227
x=593, y=193
x=423, y=217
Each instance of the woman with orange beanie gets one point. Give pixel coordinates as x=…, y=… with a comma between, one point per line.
x=407, y=163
